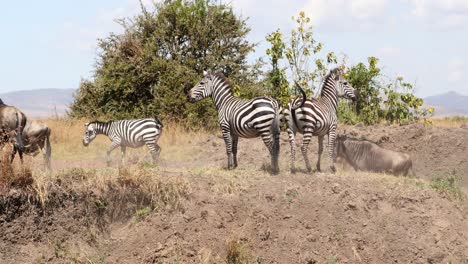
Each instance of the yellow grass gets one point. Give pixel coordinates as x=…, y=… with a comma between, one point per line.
x=67, y=136
x=450, y=122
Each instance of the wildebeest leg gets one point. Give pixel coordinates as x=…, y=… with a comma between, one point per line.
x=292, y=143
x=235, y=140
x=331, y=147
x=13, y=153
x=320, y=151
x=123, y=149
x=228, y=141
x=304, y=148
x=111, y=148
x=20, y=153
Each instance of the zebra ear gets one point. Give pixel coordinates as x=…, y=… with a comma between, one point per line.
x=205, y=73
x=86, y=124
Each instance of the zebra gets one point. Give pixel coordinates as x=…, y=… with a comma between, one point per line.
x=132, y=133
x=259, y=116
x=317, y=117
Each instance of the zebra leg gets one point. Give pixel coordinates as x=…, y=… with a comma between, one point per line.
x=304, y=148
x=123, y=149
x=111, y=148
x=320, y=151
x=268, y=139
x=235, y=140
x=155, y=153
x=331, y=147
x=228, y=141
x=292, y=143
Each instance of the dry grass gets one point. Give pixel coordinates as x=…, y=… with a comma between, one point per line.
x=449, y=122
x=237, y=252
x=13, y=175
x=67, y=136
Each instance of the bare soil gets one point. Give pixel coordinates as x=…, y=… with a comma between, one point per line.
x=346, y=217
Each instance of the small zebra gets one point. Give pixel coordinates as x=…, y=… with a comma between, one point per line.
x=259, y=116
x=132, y=133
x=317, y=117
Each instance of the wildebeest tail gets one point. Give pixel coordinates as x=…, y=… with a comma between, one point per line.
x=19, y=130
x=48, y=150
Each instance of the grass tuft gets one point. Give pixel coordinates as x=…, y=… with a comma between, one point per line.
x=448, y=185
x=237, y=252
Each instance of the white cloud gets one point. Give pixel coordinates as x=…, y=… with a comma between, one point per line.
x=363, y=9
x=389, y=51
x=456, y=69
x=441, y=14
x=82, y=37
x=341, y=14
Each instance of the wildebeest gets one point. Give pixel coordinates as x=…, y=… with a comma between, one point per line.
x=365, y=155
x=36, y=138
x=11, y=119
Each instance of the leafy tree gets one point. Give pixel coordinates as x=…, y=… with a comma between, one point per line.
x=365, y=79
x=301, y=54
x=398, y=105
x=277, y=81
x=148, y=69
x=401, y=106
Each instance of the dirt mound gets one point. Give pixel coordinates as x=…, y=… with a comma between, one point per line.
x=191, y=210
x=302, y=219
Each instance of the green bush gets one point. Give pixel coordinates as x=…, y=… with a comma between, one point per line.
x=147, y=70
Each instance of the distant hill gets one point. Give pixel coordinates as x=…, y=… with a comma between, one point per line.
x=40, y=102
x=448, y=104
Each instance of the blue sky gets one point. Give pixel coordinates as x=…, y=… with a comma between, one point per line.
x=52, y=44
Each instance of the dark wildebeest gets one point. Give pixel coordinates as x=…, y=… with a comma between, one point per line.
x=12, y=119
x=36, y=138
x=365, y=155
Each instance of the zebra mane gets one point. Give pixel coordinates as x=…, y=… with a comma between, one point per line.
x=99, y=122
x=223, y=78
x=334, y=72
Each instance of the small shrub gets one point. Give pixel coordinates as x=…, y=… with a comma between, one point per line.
x=14, y=176
x=448, y=185
x=142, y=213
x=237, y=252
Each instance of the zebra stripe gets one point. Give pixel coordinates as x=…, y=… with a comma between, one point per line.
x=132, y=133
x=317, y=117
x=241, y=118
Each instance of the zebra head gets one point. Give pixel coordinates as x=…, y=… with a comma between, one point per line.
x=202, y=89
x=90, y=134
x=343, y=87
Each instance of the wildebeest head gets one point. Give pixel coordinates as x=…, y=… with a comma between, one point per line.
x=340, y=148
x=90, y=134
x=202, y=89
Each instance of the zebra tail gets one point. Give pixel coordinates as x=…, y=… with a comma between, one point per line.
x=275, y=131
x=48, y=149
x=304, y=98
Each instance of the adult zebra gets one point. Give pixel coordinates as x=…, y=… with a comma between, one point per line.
x=317, y=117
x=259, y=116
x=132, y=133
